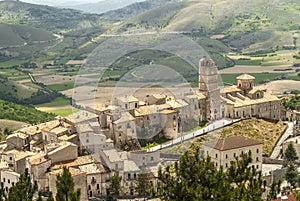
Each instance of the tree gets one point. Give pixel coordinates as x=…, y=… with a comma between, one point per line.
x=291, y=174
x=23, y=190
x=65, y=187
x=195, y=178
x=39, y=196
x=3, y=196
x=290, y=154
x=143, y=185
x=50, y=198
x=115, y=185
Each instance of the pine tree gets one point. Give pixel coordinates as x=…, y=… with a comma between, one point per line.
x=143, y=185
x=195, y=178
x=291, y=174
x=115, y=185
x=290, y=154
x=23, y=190
x=65, y=187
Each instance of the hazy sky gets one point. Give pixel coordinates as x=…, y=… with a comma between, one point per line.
x=56, y=2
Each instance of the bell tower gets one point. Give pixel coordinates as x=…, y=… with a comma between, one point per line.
x=208, y=85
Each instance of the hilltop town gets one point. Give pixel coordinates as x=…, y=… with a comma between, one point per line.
x=96, y=143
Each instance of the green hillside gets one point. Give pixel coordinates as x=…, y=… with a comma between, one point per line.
x=18, y=35
x=247, y=26
x=12, y=111
x=50, y=18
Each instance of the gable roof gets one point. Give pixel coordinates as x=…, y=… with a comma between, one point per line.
x=231, y=143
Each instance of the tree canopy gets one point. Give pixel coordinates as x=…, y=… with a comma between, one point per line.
x=65, y=187
x=115, y=185
x=195, y=178
x=23, y=190
x=290, y=154
x=143, y=185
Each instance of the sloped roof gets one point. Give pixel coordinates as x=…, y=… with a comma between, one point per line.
x=245, y=77
x=231, y=143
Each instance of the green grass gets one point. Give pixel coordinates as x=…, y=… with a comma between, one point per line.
x=60, y=101
x=248, y=62
x=158, y=142
x=60, y=87
x=259, y=77
x=62, y=113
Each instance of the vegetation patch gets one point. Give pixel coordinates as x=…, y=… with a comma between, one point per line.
x=59, y=101
x=60, y=87
x=259, y=77
x=12, y=111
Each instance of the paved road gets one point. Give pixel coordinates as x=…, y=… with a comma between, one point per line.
x=211, y=127
x=288, y=132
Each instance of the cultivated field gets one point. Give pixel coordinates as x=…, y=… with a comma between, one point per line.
x=257, y=69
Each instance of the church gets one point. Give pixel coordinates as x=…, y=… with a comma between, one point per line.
x=238, y=101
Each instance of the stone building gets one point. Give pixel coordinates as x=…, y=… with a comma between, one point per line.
x=223, y=151
x=247, y=100
x=8, y=178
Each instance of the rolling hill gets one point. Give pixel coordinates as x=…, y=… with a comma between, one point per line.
x=246, y=26
x=101, y=6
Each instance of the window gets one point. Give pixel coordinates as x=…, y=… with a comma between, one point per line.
x=134, y=175
x=152, y=158
x=87, y=140
x=257, y=166
x=216, y=164
x=98, y=186
x=89, y=187
x=242, y=152
x=237, y=114
x=13, y=183
x=128, y=175
x=3, y=179
x=10, y=158
x=126, y=106
x=234, y=155
x=8, y=181
x=257, y=150
x=257, y=159
x=216, y=155
x=226, y=165
x=226, y=156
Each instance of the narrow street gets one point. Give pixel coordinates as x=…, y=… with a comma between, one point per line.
x=276, y=151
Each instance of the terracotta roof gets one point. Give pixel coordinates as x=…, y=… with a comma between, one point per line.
x=231, y=143
x=247, y=101
x=245, y=77
x=289, y=197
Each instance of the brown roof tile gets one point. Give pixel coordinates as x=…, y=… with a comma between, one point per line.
x=231, y=143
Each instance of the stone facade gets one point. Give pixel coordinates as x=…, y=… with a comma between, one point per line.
x=223, y=151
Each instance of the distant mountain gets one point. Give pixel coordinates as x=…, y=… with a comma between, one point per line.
x=27, y=30
x=243, y=25
x=136, y=9
x=101, y=6
x=46, y=17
